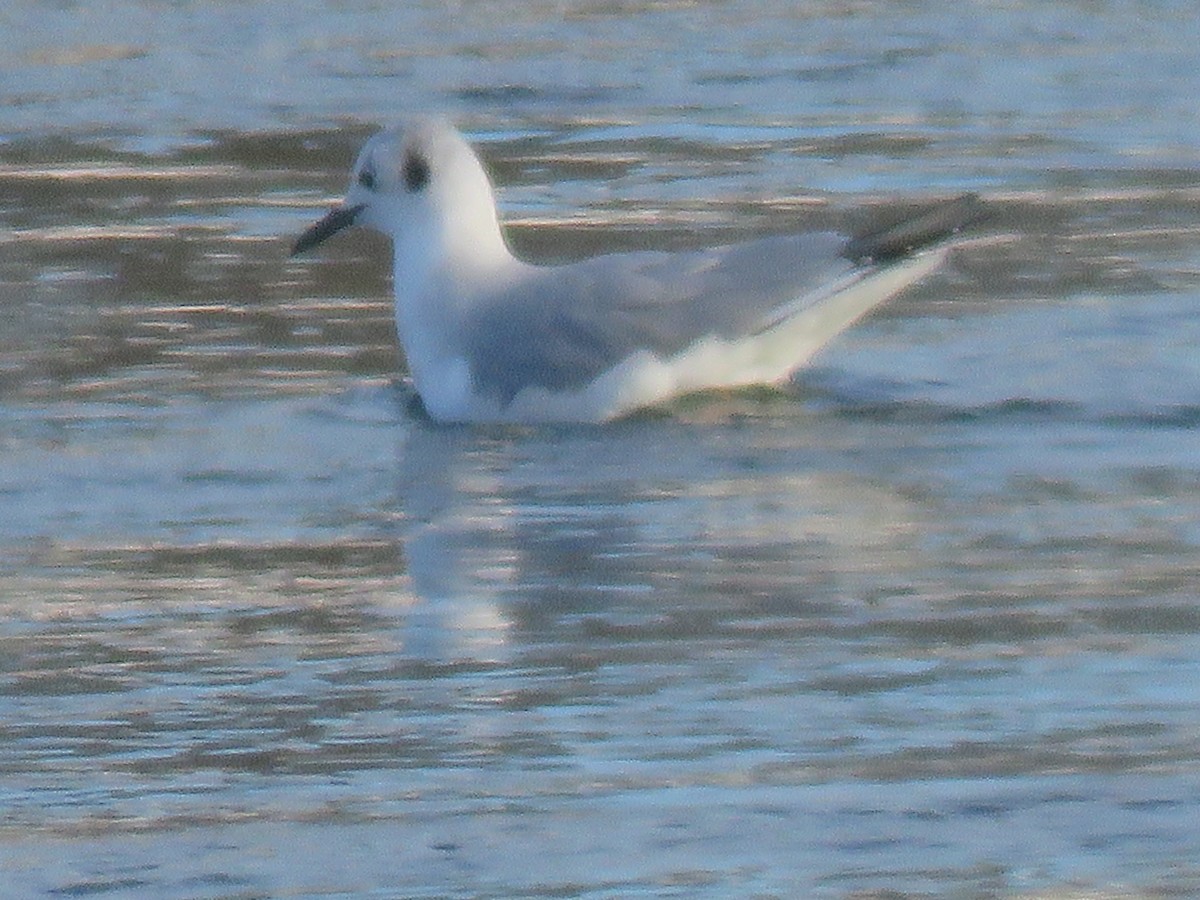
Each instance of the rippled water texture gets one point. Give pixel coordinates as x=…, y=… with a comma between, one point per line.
x=922, y=624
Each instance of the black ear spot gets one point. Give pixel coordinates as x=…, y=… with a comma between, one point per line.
x=415, y=171
x=366, y=179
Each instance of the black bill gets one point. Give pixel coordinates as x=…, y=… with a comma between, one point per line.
x=338, y=218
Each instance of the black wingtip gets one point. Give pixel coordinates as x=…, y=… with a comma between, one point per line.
x=902, y=238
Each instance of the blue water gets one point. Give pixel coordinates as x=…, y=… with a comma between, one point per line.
x=924, y=623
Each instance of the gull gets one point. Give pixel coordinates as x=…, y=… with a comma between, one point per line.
x=491, y=338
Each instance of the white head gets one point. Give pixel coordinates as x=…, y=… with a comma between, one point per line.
x=422, y=185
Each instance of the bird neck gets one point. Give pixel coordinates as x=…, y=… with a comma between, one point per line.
x=456, y=252
x=439, y=273
x=475, y=246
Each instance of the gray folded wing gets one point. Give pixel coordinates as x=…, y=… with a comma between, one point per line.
x=561, y=327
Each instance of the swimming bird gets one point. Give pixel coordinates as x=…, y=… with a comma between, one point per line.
x=491, y=338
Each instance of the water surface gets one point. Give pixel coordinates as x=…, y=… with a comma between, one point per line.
x=924, y=623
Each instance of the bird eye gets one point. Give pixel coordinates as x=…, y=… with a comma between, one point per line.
x=366, y=178
x=416, y=171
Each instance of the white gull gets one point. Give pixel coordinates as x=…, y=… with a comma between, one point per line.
x=490, y=338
